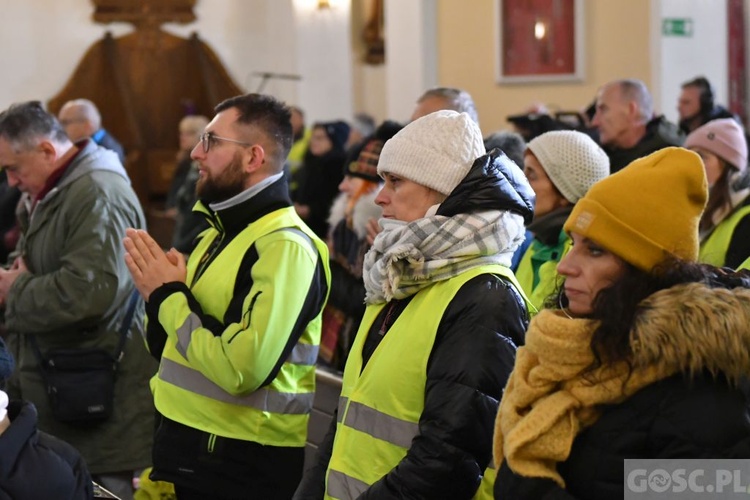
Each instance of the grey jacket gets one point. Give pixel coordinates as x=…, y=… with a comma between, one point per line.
x=75, y=295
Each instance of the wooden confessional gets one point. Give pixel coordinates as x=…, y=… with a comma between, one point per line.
x=144, y=83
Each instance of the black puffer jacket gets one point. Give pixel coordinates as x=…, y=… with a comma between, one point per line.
x=493, y=183
x=36, y=465
x=468, y=367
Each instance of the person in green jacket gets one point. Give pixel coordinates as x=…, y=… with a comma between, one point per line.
x=561, y=166
x=725, y=224
x=69, y=288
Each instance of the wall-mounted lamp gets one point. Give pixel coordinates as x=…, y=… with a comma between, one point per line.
x=540, y=30
x=320, y=5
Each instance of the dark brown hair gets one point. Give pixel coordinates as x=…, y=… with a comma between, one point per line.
x=617, y=306
x=718, y=198
x=269, y=115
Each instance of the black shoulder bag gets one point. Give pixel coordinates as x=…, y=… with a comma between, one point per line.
x=81, y=382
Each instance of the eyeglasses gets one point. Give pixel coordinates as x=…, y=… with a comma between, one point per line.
x=71, y=121
x=208, y=138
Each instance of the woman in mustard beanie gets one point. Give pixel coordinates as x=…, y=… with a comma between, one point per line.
x=643, y=357
x=725, y=225
x=561, y=166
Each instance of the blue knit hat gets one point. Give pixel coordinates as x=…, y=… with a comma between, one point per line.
x=337, y=132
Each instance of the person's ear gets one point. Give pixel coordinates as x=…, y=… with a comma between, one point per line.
x=633, y=110
x=48, y=150
x=254, y=158
x=88, y=128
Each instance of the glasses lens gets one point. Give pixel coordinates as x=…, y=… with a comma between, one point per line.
x=205, y=142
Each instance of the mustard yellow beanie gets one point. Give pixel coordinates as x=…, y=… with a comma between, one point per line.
x=647, y=211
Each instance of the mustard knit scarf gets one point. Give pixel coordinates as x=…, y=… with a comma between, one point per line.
x=547, y=400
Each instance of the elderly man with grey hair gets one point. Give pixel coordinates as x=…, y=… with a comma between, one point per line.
x=69, y=290
x=438, y=98
x=627, y=125
x=81, y=120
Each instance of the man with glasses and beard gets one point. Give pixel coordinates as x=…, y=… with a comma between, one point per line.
x=237, y=326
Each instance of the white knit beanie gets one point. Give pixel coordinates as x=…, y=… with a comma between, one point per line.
x=435, y=151
x=572, y=161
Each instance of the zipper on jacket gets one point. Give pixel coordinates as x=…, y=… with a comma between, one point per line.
x=208, y=256
x=211, y=443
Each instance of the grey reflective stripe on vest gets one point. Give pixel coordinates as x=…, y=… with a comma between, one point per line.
x=380, y=425
x=303, y=354
x=302, y=234
x=344, y=487
x=342, y=409
x=263, y=399
x=185, y=333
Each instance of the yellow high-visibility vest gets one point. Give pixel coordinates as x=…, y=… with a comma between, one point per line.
x=714, y=249
x=275, y=414
x=380, y=407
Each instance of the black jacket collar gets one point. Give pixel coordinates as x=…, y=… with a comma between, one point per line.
x=494, y=182
x=547, y=227
x=234, y=219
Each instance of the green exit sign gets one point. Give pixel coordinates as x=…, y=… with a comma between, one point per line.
x=677, y=26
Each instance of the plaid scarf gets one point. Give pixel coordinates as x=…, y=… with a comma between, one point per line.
x=406, y=257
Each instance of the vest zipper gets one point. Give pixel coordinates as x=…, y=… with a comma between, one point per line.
x=211, y=442
x=385, y=325
x=208, y=256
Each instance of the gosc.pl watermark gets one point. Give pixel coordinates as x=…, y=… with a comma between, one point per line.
x=687, y=478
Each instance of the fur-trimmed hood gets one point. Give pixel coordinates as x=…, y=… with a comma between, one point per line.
x=364, y=210
x=694, y=327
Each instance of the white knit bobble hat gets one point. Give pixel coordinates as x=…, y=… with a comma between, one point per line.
x=572, y=161
x=435, y=151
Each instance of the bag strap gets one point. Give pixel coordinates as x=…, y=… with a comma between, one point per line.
x=124, y=328
x=38, y=355
x=126, y=323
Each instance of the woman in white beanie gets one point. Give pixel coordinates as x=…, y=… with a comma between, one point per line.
x=561, y=167
x=725, y=224
x=443, y=317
